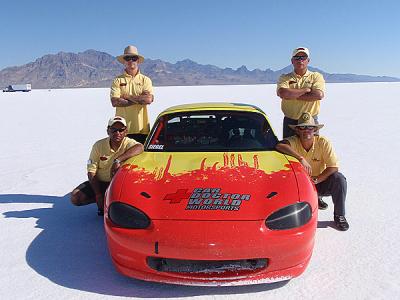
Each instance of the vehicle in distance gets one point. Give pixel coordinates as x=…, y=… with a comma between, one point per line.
x=18, y=88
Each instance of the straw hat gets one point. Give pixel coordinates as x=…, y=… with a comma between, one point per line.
x=306, y=120
x=130, y=51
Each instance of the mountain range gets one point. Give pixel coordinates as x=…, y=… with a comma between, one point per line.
x=93, y=68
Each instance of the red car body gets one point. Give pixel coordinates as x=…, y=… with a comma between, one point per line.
x=175, y=214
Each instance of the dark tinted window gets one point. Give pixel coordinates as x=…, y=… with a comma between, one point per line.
x=212, y=131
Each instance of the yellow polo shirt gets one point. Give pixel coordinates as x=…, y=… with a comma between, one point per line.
x=293, y=108
x=320, y=156
x=135, y=115
x=102, y=157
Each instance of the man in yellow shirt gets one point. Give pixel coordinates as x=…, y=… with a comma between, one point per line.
x=105, y=159
x=317, y=156
x=300, y=91
x=131, y=93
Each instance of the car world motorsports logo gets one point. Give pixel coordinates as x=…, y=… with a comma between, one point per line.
x=208, y=199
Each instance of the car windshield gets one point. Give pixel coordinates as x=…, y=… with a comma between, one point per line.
x=212, y=131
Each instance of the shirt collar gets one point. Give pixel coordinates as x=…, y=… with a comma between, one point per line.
x=109, y=145
x=128, y=75
x=299, y=76
x=312, y=147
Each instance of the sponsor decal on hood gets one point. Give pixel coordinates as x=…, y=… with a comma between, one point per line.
x=208, y=199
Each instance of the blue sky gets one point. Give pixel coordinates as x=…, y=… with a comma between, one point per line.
x=344, y=36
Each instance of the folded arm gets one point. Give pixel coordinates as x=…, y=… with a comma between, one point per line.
x=312, y=95
x=128, y=100
x=305, y=94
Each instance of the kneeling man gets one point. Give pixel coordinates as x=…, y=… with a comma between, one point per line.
x=105, y=159
x=317, y=156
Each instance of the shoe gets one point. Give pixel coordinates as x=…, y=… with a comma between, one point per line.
x=322, y=204
x=341, y=222
x=100, y=212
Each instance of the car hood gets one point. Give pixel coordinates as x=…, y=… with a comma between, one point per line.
x=206, y=186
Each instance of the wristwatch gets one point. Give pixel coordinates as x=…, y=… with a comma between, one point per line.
x=116, y=161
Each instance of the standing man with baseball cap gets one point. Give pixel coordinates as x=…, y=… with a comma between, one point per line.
x=131, y=92
x=318, y=158
x=300, y=90
x=105, y=159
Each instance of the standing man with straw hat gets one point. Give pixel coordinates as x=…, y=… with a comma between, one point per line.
x=318, y=158
x=300, y=90
x=131, y=92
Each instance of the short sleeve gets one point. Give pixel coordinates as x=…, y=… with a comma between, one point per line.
x=148, y=85
x=115, y=89
x=319, y=82
x=329, y=155
x=130, y=143
x=290, y=140
x=93, y=161
x=283, y=82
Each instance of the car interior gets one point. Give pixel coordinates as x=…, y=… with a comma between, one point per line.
x=213, y=131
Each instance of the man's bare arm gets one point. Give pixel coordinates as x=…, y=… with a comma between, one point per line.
x=126, y=100
x=120, y=102
x=144, y=98
x=99, y=196
x=313, y=95
x=94, y=183
x=325, y=174
x=285, y=148
x=131, y=152
x=291, y=93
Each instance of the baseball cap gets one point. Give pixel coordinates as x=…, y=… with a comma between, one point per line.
x=301, y=49
x=116, y=119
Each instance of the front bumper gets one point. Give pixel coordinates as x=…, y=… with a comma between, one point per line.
x=287, y=252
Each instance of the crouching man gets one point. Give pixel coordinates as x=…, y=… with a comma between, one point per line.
x=318, y=158
x=105, y=158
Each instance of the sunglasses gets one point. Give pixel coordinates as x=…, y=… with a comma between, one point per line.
x=300, y=57
x=131, y=58
x=120, y=130
x=306, y=127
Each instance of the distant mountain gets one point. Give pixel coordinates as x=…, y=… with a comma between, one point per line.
x=64, y=70
x=97, y=69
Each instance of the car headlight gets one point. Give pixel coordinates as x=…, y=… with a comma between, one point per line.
x=127, y=216
x=289, y=217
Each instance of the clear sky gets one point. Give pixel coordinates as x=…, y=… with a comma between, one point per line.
x=357, y=36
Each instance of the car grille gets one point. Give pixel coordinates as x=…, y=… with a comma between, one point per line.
x=205, y=266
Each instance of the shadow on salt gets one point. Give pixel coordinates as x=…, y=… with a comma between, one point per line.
x=71, y=251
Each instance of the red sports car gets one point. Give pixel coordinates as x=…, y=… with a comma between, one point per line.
x=210, y=202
